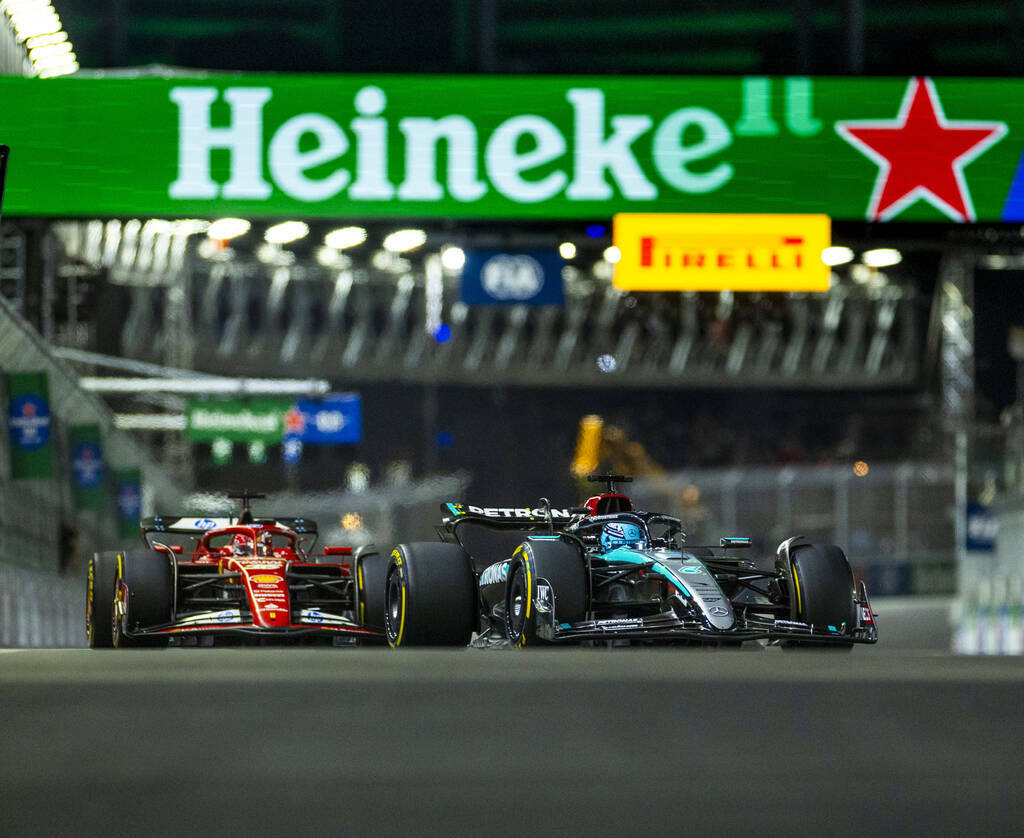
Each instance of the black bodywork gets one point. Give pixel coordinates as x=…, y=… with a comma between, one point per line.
x=662, y=591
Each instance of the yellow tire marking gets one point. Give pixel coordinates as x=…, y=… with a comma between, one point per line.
x=796, y=582
x=401, y=624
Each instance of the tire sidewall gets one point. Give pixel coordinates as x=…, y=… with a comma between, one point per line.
x=99, y=600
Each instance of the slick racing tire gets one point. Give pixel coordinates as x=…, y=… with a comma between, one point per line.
x=556, y=564
x=821, y=591
x=99, y=600
x=371, y=572
x=429, y=596
x=143, y=596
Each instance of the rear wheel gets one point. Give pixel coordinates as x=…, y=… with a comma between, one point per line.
x=99, y=600
x=557, y=565
x=143, y=597
x=821, y=591
x=429, y=596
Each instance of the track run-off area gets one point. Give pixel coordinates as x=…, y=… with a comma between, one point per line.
x=302, y=741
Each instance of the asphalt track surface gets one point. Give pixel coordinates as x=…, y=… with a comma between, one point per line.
x=280, y=742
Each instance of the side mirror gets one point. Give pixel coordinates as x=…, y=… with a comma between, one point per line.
x=728, y=541
x=337, y=551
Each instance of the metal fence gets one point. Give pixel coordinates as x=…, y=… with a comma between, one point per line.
x=896, y=522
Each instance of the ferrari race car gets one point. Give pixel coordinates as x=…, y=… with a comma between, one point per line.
x=246, y=579
x=607, y=573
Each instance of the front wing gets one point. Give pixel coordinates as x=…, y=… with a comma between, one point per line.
x=233, y=622
x=668, y=627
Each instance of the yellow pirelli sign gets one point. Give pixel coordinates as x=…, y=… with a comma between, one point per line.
x=715, y=252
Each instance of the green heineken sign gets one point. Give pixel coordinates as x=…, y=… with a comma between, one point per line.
x=512, y=147
x=255, y=420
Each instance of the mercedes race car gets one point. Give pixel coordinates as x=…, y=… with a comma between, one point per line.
x=245, y=579
x=607, y=573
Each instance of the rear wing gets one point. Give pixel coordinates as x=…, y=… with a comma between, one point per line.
x=200, y=525
x=511, y=517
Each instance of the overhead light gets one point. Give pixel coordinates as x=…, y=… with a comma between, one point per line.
x=38, y=27
x=345, y=237
x=453, y=258
x=836, y=255
x=228, y=228
x=881, y=257
x=567, y=250
x=612, y=255
x=401, y=241
x=205, y=384
x=286, y=231
x=150, y=421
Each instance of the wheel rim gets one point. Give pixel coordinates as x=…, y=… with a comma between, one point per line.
x=393, y=607
x=515, y=610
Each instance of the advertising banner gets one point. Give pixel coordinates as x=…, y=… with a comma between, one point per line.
x=129, y=501
x=713, y=252
x=30, y=424
x=87, y=470
x=516, y=147
x=492, y=277
x=332, y=420
x=236, y=421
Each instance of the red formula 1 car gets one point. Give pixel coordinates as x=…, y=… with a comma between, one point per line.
x=246, y=580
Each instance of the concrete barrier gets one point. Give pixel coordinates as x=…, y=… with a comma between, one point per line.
x=39, y=609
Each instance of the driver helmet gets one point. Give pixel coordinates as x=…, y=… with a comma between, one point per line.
x=618, y=534
x=241, y=546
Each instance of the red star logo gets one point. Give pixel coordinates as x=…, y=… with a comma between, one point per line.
x=294, y=421
x=921, y=154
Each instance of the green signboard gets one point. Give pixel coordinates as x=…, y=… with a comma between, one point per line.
x=515, y=147
x=254, y=420
x=30, y=424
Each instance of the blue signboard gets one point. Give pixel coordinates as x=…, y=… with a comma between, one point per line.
x=87, y=464
x=30, y=422
x=491, y=277
x=982, y=528
x=332, y=420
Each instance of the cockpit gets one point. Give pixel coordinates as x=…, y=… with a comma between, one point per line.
x=243, y=541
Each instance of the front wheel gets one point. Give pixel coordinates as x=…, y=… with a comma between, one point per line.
x=821, y=591
x=99, y=600
x=429, y=596
x=548, y=575
x=143, y=597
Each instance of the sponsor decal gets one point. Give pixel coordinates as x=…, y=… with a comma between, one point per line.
x=516, y=512
x=621, y=623
x=246, y=564
x=204, y=524
x=265, y=578
x=906, y=176
x=492, y=277
x=710, y=252
x=718, y=611
x=691, y=569
x=494, y=574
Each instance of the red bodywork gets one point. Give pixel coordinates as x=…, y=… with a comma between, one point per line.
x=259, y=558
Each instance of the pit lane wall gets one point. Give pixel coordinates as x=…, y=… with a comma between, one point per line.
x=45, y=541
